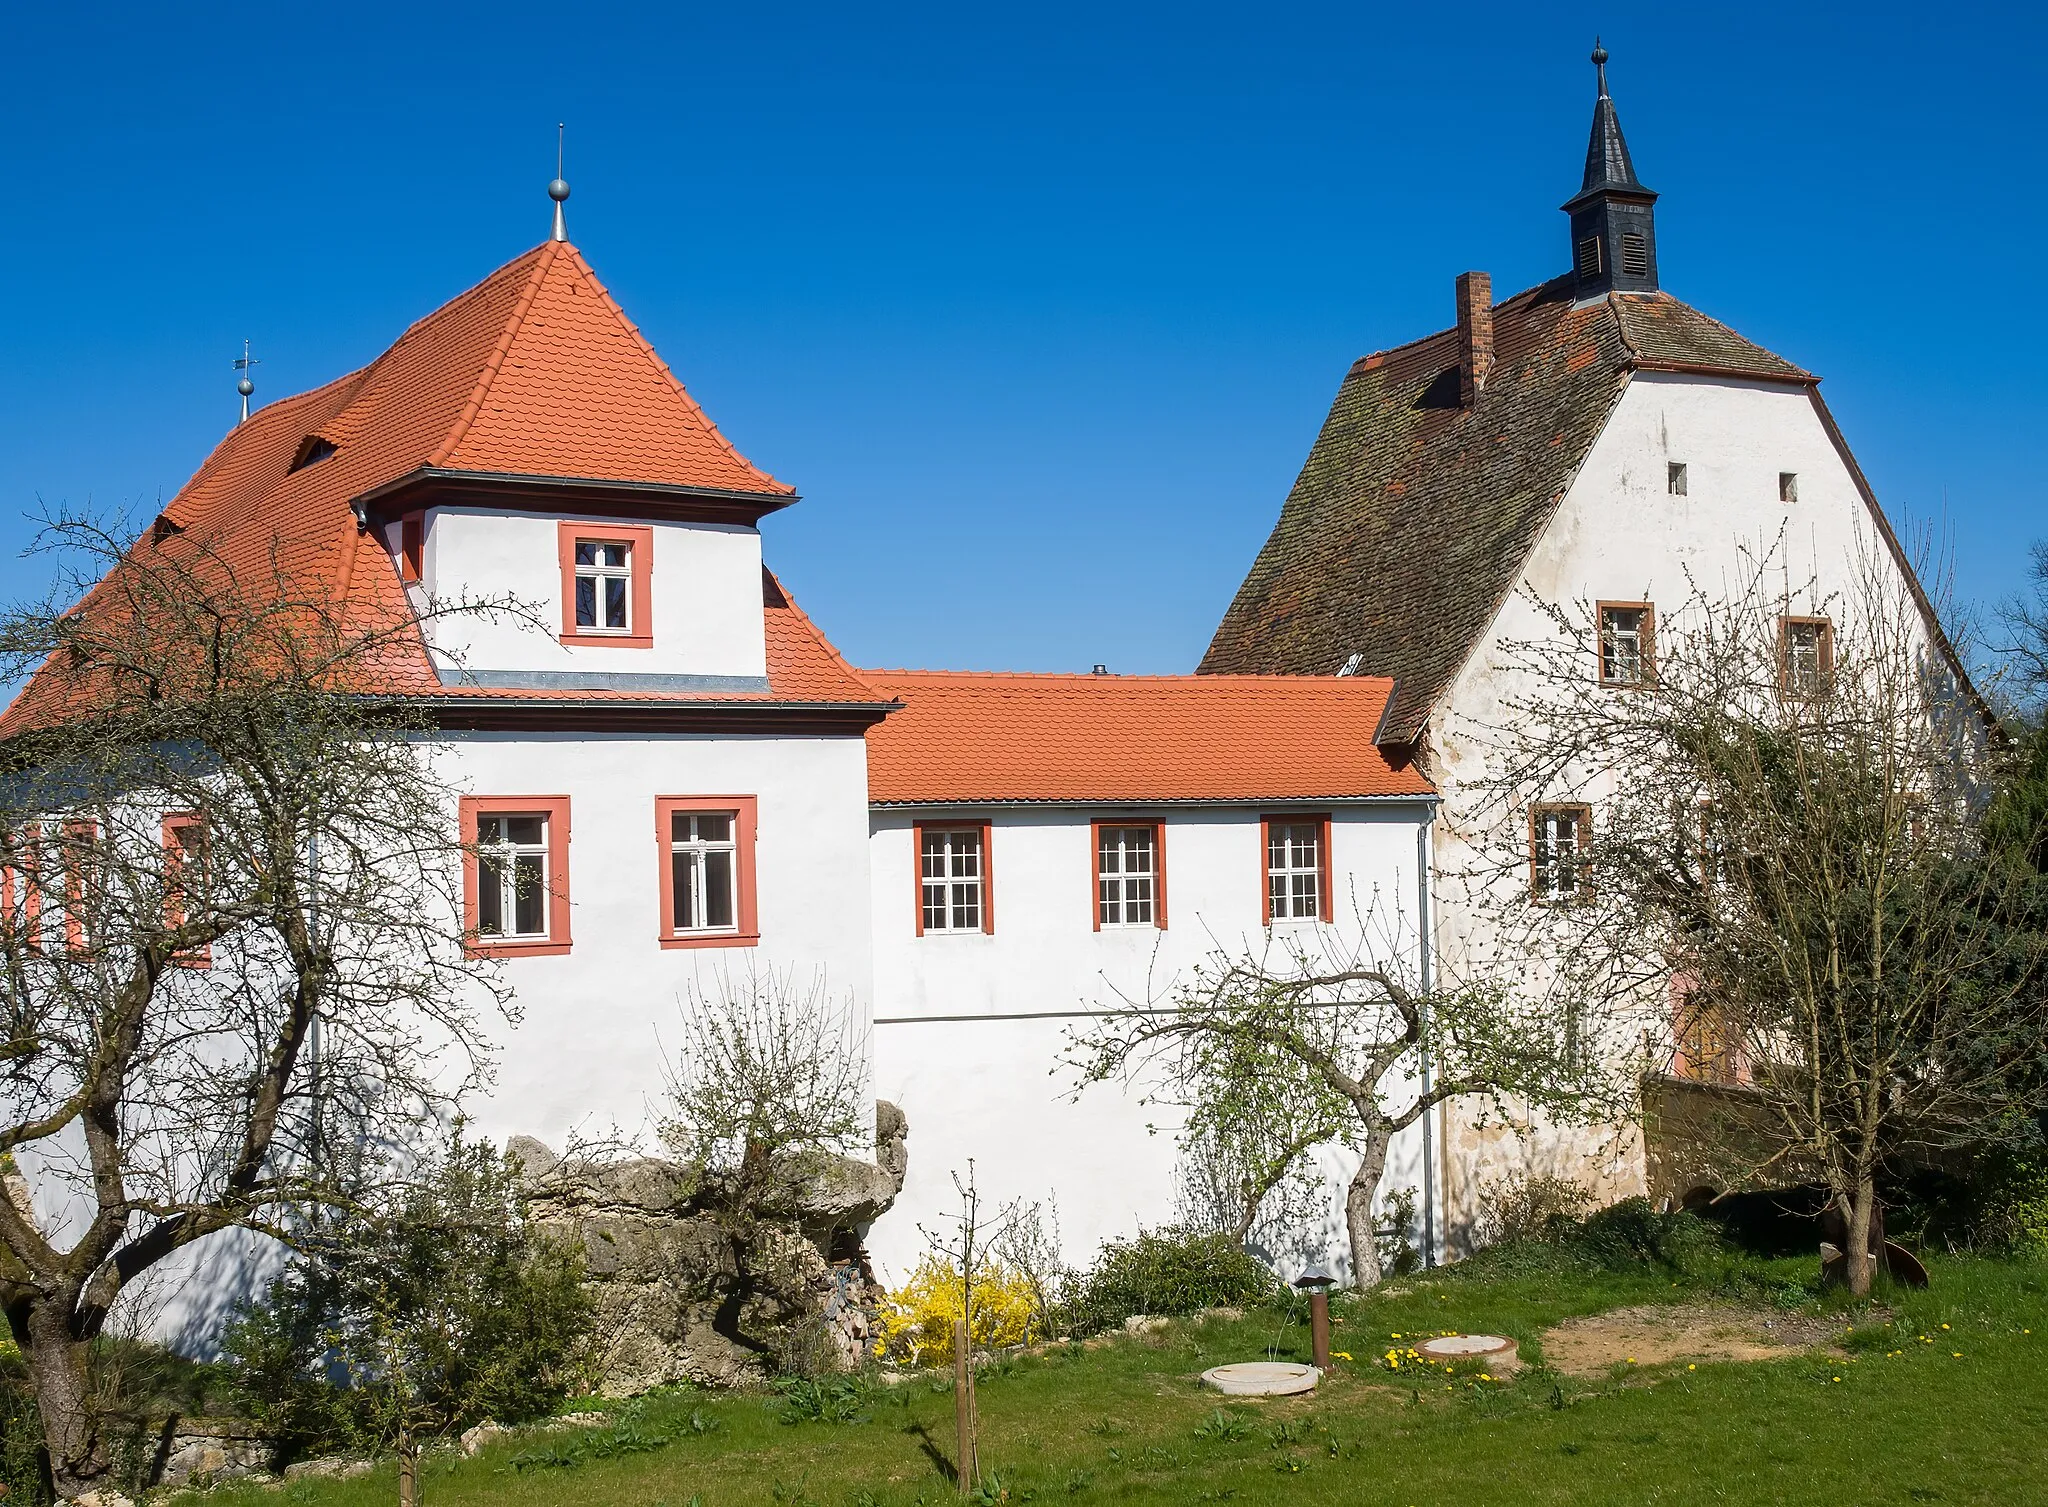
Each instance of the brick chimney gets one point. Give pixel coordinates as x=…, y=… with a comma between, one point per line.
x=1475, y=334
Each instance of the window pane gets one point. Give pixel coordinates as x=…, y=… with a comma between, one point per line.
x=1138, y=899
x=614, y=554
x=586, y=602
x=490, y=892
x=530, y=915
x=527, y=831
x=718, y=889
x=966, y=907
x=490, y=829
x=714, y=827
x=586, y=554
x=615, y=602
x=683, y=880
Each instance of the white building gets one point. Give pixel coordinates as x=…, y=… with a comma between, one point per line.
x=702, y=787
x=1592, y=441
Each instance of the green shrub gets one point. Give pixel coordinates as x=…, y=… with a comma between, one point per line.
x=2017, y=1207
x=1632, y=1233
x=1166, y=1271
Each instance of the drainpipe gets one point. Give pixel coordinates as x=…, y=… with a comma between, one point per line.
x=1428, y=977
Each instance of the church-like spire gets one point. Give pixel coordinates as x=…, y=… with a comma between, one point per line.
x=1614, y=225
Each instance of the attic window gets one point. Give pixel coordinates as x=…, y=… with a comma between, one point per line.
x=312, y=448
x=1788, y=486
x=1674, y=478
x=163, y=528
x=1635, y=254
x=1588, y=264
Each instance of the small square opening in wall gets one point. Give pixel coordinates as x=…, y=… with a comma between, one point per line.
x=1674, y=478
x=1788, y=486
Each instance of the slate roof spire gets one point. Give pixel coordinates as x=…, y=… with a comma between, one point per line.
x=1614, y=226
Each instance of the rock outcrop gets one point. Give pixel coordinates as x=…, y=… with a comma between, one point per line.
x=689, y=1289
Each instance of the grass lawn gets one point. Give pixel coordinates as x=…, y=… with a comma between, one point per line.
x=1881, y=1415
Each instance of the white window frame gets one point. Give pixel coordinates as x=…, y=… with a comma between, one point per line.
x=1806, y=667
x=1125, y=895
x=1635, y=641
x=1558, y=876
x=598, y=573
x=497, y=863
x=698, y=849
x=1283, y=899
x=940, y=895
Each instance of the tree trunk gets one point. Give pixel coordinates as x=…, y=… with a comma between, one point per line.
x=408, y=1474
x=1365, y=1248
x=56, y=1360
x=1860, y=1265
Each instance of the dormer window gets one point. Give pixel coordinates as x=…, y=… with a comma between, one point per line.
x=606, y=573
x=311, y=449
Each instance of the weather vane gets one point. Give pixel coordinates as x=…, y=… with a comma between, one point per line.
x=243, y=385
x=558, y=190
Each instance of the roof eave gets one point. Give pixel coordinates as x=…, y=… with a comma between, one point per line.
x=1135, y=802
x=521, y=491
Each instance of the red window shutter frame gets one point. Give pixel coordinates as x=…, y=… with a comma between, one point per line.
x=639, y=541
x=746, y=824
x=556, y=809
x=988, y=869
x=1095, y=869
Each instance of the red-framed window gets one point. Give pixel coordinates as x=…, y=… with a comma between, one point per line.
x=955, y=877
x=412, y=547
x=21, y=885
x=607, y=584
x=1806, y=655
x=1130, y=873
x=705, y=844
x=1295, y=873
x=185, y=873
x=79, y=852
x=515, y=875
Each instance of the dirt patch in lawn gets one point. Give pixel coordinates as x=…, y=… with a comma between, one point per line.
x=1655, y=1335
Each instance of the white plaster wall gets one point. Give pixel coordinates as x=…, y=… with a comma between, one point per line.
x=1620, y=536
x=993, y=1090
x=705, y=584
x=589, y=1049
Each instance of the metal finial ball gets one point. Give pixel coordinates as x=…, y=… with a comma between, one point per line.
x=558, y=189
x=245, y=387
x=1599, y=52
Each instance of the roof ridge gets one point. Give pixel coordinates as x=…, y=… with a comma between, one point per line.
x=495, y=360
x=647, y=349
x=1452, y=329
x=1090, y=678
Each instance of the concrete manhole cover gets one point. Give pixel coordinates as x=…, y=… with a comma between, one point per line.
x=1492, y=1349
x=1261, y=1378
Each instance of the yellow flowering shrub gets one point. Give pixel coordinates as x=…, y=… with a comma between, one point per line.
x=917, y=1318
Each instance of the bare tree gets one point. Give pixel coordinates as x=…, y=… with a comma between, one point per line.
x=1768, y=850
x=222, y=846
x=1309, y=1044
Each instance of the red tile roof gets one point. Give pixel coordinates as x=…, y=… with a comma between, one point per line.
x=973, y=739
x=533, y=372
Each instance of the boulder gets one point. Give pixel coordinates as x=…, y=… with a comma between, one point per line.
x=685, y=1293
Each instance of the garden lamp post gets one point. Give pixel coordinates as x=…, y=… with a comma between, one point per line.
x=1317, y=1284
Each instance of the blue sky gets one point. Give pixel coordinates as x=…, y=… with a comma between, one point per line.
x=1039, y=307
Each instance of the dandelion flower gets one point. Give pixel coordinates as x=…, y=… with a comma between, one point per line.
x=1838, y=1378
x=1692, y=1368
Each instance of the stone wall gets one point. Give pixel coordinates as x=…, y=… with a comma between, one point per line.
x=684, y=1293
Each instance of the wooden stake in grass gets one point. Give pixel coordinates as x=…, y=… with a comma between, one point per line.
x=963, y=1406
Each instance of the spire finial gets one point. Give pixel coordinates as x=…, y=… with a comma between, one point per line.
x=1600, y=65
x=558, y=189
x=242, y=383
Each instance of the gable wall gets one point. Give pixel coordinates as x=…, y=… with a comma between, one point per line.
x=1620, y=536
